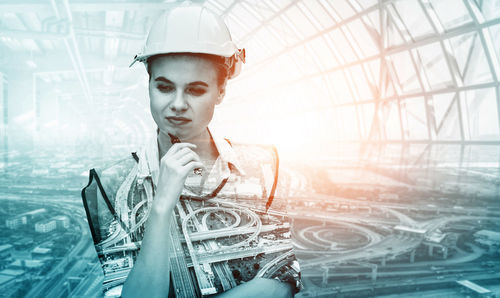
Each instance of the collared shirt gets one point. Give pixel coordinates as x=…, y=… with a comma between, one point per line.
x=226, y=163
x=221, y=225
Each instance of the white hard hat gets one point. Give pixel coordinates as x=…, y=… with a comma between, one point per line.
x=190, y=28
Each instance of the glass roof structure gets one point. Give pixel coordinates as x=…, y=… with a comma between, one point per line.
x=421, y=71
x=386, y=115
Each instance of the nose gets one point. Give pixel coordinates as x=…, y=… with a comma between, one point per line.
x=179, y=103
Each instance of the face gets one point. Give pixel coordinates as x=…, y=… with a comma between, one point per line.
x=183, y=92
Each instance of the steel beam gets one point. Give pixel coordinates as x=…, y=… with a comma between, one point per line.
x=25, y=34
x=95, y=6
x=390, y=51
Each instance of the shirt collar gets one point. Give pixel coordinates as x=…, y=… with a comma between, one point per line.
x=227, y=153
x=151, y=164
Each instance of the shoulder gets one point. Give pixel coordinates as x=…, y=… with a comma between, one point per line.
x=255, y=160
x=117, y=167
x=261, y=153
x=110, y=176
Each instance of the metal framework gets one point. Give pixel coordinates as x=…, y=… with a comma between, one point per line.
x=393, y=36
x=383, y=71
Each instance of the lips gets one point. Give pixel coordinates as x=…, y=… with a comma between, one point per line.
x=175, y=120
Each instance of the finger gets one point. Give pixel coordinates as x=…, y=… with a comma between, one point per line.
x=183, y=151
x=188, y=157
x=185, y=170
x=190, y=166
x=178, y=146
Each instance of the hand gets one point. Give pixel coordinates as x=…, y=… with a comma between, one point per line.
x=175, y=166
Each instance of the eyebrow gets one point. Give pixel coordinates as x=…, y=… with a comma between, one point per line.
x=199, y=83
x=163, y=79
x=167, y=81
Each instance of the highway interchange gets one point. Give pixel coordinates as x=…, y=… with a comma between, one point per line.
x=347, y=246
x=365, y=246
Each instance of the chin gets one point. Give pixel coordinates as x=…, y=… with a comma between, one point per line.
x=182, y=134
x=172, y=130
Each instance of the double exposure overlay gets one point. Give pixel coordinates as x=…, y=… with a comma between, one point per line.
x=385, y=115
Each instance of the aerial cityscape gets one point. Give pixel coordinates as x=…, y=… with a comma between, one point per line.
x=219, y=240
x=385, y=115
x=356, y=231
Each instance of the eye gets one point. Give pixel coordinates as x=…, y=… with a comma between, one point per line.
x=165, y=88
x=196, y=91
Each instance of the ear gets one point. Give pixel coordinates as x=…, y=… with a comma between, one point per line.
x=222, y=93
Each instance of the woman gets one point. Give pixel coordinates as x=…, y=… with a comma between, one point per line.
x=189, y=57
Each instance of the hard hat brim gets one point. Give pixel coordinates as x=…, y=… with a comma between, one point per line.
x=235, y=67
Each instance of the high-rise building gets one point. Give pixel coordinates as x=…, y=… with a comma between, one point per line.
x=45, y=226
x=15, y=222
x=61, y=221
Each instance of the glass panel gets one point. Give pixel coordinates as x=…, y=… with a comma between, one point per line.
x=490, y=9
x=323, y=53
x=284, y=30
x=391, y=124
x=343, y=47
x=348, y=123
x=271, y=44
x=364, y=40
x=320, y=14
x=11, y=20
x=394, y=36
x=462, y=50
x=414, y=118
x=480, y=114
x=373, y=70
x=441, y=104
x=436, y=70
x=475, y=65
x=299, y=20
x=451, y=13
x=470, y=57
x=406, y=75
x=446, y=116
x=332, y=46
x=361, y=86
x=366, y=3
x=30, y=45
x=373, y=20
x=255, y=49
x=414, y=18
x=495, y=36
x=366, y=119
x=341, y=7
x=288, y=70
x=237, y=29
x=320, y=92
x=314, y=59
x=279, y=4
x=303, y=58
x=340, y=87
x=243, y=14
x=264, y=9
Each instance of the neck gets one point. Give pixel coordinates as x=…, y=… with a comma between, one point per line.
x=204, y=145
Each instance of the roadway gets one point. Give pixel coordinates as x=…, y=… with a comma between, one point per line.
x=395, y=285
x=52, y=280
